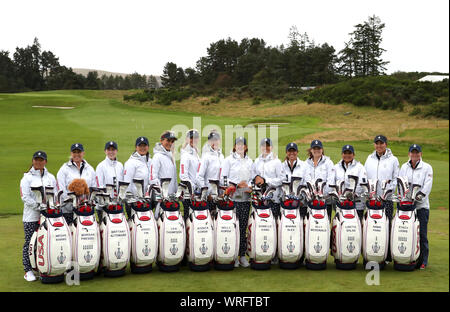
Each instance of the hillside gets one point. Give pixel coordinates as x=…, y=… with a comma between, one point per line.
x=85, y=71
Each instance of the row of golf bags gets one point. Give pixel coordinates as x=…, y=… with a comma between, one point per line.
x=91, y=247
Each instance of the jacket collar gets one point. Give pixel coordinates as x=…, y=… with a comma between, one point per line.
x=237, y=156
x=387, y=154
x=138, y=157
x=111, y=162
x=37, y=172
x=268, y=157
x=419, y=165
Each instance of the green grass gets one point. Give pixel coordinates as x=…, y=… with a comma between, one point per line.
x=99, y=116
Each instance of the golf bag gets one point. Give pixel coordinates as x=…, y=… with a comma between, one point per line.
x=375, y=241
x=115, y=233
x=172, y=234
x=316, y=226
x=262, y=230
x=143, y=229
x=50, y=249
x=405, y=232
x=227, y=236
x=86, y=236
x=290, y=226
x=346, y=228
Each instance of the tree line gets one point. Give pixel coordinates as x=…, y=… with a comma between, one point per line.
x=31, y=68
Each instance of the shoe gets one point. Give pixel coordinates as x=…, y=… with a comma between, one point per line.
x=423, y=266
x=244, y=262
x=29, y=276
x=274, y=261
x=236, y=263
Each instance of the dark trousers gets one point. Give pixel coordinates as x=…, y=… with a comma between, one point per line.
x=68, y=217
x=276, y=210
x=329, y=210
x=29, y=229
x=186, y=206
x=423, y=215
x=242, y=212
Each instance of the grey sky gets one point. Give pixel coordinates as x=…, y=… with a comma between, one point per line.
x=133, y=35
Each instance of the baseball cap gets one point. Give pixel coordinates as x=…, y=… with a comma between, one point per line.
x=291, y=146
x=214, y=136
x=141, y=140
x=348, y=148
x=111, y=144
x=415, y=147
x=265, y=141
x=77, y=146
x=240, y=140
x=316, y=143
x=40, y=154
x=381, y=138
x=192, y=134
x=169, y=135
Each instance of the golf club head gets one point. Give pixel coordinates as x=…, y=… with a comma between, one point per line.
x=58, y=197
x=373, y=185
x=306, y=194
x=50, y=195
x=386, y=195
x=39, y=193
x=333, y=194
x=321, y=188
x=214, y=189
x=123, y=186
x=341, y=186
x=189, y=189
x=310, y=186
x=403, y=187
x=165, y=182
x=204, y=194
x=353, y=182
x=139, y=185
x=104, y=198
x=71, y=198
x=415, y=189
x=110, y=190
x=286, y=188
x=384, y=184
x=295, y=184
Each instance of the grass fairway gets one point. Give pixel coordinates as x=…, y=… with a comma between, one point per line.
x=100, y=116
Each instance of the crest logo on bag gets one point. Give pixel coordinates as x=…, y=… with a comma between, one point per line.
x=146, y=250
x=317, y=247
x=291, y=247
x=61, y=258
x=376, y=247
x=88, y=257
x=203, y=249
x=402, y=248
x=118, y=253
x=173, y=250
x=226, y=248
x=350, y=247
x=265, y=247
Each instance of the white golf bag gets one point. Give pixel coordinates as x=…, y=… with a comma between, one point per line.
x=316, y=226
x=227, y=235
x=262, y=231
x=172, y=233
x=86, y=242
x=375, y=243
x=116, y=238
x=346, y=228
x=290, y=226
x=50, y=249
x=405, y=232
x=143, y=229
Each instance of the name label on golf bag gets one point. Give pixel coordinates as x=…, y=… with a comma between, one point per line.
x=405, y=242
x=116, y=241
x=262, y=236
x=86, y=243
x=317, y=236
x=226, y=237
x=172, y=238
x=144, y=238
x=290, y=236
x=200, y=237
x=346, y=236
x=375, y=236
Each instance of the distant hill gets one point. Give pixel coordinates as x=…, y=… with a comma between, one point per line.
x=85, y=71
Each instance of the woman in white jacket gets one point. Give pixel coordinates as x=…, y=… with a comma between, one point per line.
x=163, y=164
x=110, y=170
x=76, y=168
x=347, y=166
x=138, y=167
x=237, y=169
x=419, y=172
x=38, y=175
x=189, y=162
x=319, y=166
x=210, y=163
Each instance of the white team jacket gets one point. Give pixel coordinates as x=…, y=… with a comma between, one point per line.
x=189, y=162
x=107, y=170
x=355, y=168
x=163, y=166
x=422, y=175
x=68, y=172
x=323, y=171
x=238, y=169
x=299, y=170
x=385, y=168
x=34, y=178
x=137, y=167
x=210, y=167
x=270, y=169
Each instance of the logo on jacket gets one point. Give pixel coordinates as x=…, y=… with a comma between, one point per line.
x=118, y=253
x=88, y=257
x=226, y=248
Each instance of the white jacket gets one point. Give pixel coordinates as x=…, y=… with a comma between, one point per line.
x=238, y=169
x=137, y=167
x=323, y=171
x=269, y=168
x=34, y=178
x=68, y=172
x=210, y=167
x=163, y=166
x=107, y=170
x=422, y=175
x=385, y=168
x=341, y=172
x=189, y=162
x=299, y=170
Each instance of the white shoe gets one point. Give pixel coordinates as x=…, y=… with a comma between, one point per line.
x=236, y=263
x=29, y=276
x=244, y=262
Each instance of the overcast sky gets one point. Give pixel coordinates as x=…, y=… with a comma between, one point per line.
x=131, y=35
